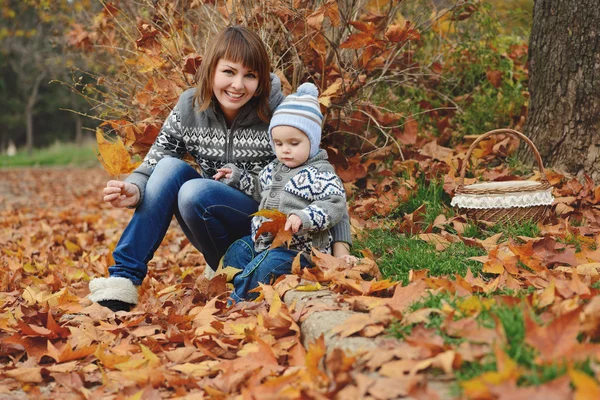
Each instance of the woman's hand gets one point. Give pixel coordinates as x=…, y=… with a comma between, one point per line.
x=294, y=222
x=121, y=194
x=223, y=173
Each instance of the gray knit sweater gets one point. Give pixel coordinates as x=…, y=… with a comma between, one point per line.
x=206, y=137
x=312, y=191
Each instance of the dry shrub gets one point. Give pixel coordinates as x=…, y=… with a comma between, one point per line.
x=148, y=52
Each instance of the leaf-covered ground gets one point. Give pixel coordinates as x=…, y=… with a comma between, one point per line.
x=526, y=327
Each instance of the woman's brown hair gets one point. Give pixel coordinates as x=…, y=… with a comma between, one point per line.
x=240, y=45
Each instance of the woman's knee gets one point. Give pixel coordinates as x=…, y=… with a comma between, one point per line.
x=170, y=172
x=169, y=165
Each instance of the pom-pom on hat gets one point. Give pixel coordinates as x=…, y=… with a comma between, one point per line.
x=302, y=111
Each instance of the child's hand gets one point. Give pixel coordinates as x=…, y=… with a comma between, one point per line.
x=294, y=222
x=223, y=173
x=349, y=259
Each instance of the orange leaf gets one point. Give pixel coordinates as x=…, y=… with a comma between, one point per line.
x=495, y=78
x=555, y=340
x=275, y=227
x=66, y=352
x=358, y=41
x=56, y=328
x=316, y=351
x=296, y=267
x=398, y=33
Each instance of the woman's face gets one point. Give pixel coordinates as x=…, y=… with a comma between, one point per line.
x=234, y=85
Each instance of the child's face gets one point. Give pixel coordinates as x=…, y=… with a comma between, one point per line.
x=292, y=146
x=234, y=85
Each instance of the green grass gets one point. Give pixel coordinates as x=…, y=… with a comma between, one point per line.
x=432, y=195
x=55, y=155
x=509, y=231
x=397, y=254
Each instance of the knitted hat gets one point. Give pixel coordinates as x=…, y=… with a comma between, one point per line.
x=301, y=110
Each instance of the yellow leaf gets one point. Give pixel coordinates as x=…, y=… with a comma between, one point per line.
x=137, y=396
x=168, y=289
x=196, y=370
x=547, y=296
x=443, y=25
x=474, y=305
x=72, y=247
x=275, y=305
x=152, y=358
x=586, y=387
x=330, y=92
x=114, y=157
x=309, y=288
x=229, y=272
x=30, y=269
x=133, y=363
x=507, y=369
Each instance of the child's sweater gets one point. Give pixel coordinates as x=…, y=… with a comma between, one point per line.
x=312, y=191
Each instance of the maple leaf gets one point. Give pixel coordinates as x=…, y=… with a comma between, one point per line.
x=329, y=9
x=557, y=339
x=355, y=170
x=275, y=227
x=66, y=352
x=398, y=33
x=114, y=157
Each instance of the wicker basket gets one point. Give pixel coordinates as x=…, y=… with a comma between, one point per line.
x=510, y=201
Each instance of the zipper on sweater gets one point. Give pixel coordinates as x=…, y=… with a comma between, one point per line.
x=229, y=154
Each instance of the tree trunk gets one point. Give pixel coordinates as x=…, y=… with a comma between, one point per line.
x=564, y=70
x=33, y=96
x=78, y=130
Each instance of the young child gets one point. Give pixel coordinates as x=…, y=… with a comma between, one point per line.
x=300, y=183
x=225, y=119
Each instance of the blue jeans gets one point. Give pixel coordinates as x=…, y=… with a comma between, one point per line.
x=211, y=214
x=262, y=267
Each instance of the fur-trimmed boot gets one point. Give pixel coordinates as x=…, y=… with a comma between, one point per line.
x=116, y=293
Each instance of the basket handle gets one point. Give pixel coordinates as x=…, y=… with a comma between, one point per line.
x=512, y=132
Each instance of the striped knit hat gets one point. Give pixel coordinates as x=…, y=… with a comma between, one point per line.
x=301, y=110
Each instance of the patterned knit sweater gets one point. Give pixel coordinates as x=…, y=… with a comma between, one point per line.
x=206, y=137
x=312, y=191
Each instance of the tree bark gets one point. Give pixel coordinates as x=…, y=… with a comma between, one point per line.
x=29, y=108
x=564, y=70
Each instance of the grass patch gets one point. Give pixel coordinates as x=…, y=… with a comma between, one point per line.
x=433, y=300
x=432, y=195
x=56, y=155
x=508, y=230
x=397, y=254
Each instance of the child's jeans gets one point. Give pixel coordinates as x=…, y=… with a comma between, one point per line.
x=262, y=267
x=211, y=214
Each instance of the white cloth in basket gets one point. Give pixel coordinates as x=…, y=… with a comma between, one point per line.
x=504, y=200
